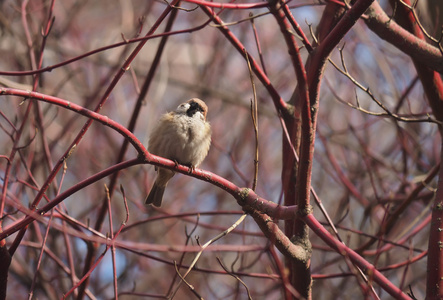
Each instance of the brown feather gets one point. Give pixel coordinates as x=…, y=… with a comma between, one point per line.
x=183, y=136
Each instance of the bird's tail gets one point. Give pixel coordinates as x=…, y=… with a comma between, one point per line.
x=156, y=194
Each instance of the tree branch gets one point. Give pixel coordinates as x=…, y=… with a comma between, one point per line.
x=387, y=29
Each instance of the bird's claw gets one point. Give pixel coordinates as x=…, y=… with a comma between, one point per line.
x=191, y=168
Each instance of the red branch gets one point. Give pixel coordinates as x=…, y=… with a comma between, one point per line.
x=88, y=123
x=280, y=105
x=390, y=31
x=359, y=261
x=227, y=5
x=80, y=110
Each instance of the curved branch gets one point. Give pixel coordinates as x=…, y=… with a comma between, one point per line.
x=204, y=3
x=387, y=29
x=359, y=261
x=280, y=105
x=244, y=196
x=57, y=200
x=80, y=110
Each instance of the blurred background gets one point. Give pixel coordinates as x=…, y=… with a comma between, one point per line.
x=365, y=165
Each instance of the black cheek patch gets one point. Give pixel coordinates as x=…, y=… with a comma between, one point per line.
x=193, y=109
x=190, y=112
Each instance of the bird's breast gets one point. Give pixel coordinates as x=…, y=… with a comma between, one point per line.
x=183, y=140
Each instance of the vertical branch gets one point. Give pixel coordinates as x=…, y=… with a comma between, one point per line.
x=401, y=161
x=254, y=116
x=206, y=245
x=306, y=106
x=343, y=250
x=433, y=87
x=5, y=262
x=111, y=233
x=279, y=103
x=435, y=256
x=331, y=15
x=139, y=103
x=86, y=126
x=38, y=109
x=297, y=188
x=431, y=80
x=39, y=261
x=288, y=289
x=316, y=66
x=110, y=244
x=254, y=29
x=182, y=257
x=135, y=114
x=287, y=113
x=18, y=134
x=126, y=65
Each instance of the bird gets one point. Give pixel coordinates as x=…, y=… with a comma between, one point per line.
x=184, y=136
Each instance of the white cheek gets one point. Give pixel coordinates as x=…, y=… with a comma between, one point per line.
x=199, y=115
x=182, y=108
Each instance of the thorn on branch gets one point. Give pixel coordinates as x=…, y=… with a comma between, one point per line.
x=23, y=101
x=394, y=11
x=70, y=152
x=357, y=99
x=311, y=31
x=125, y=202
x=51, y=24
x=124, y=38
x=180, y=8
x=141, y=22
x=342, y=57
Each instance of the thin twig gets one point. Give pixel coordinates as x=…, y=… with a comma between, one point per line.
x=114, y=268
x=39, y=261
x=187, y=283
x=125, y=202
x=180, y=264
x=257, y=42
x=235, y=276
x=251, y=18
x=417, y=20
x=254, y=116
x=219, y=236
x=387, y=112
x=181, y=8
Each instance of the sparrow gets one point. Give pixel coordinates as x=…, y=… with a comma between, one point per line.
x=183, y=136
